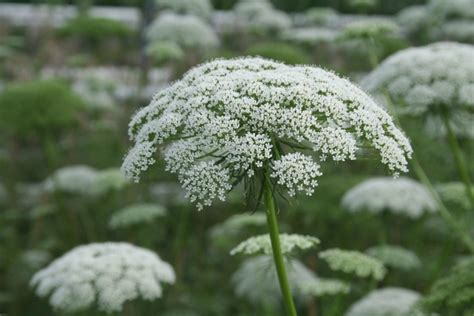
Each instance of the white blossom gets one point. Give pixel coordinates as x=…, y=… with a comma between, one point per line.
x=310, y=35
x=201, y=8
x=187, y=31
x=260, y=17
x=105, y=275
x=455, y=193
x=369, y=29
x=136, y=214
x=262, y=244
x=84, y=180
x=227, y=119
x=297, y=173
x=388, y=301
x=395, y=256
x=427, y=81
x=399, y=196
x=318, y=287
x=355, y=262
x=256, y=280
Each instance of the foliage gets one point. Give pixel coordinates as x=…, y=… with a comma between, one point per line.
x=37, y=108
x=288, y=54
x=93, y=29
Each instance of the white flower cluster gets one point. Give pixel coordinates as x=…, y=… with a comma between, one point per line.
x=97, y=92
x=310, y=35
x=84, y=180
x=201, y=8
x=136, y=214
x=257, y=281
x=413, y=19
x=222, y=115
x=369, y=29
x=236, y=223
x=399, y=196
x=318, y=287
x=388, y=301
x=395, y=256
x=260, y=17
x=297, y=173
x=187, y=31
x=429, y=80
x=455, y=193
x=107, y=274
x=262, y=244
x=350, y=261
x=452, y=20
x=321, y=16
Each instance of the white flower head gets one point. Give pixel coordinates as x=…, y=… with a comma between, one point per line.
x=231, y=119
x=187, y=31
x=104, y=274
x=455, y=193
x=136, y=214
x=256, y=280
x=355, y=262
x=84, y=180
x=201, y=8
x=260, y=17
x=429, y=80
x=369, y=29
x=387, y=301
x=310, y=35
x=399, y=196
x=395, y=256
x=262, y=244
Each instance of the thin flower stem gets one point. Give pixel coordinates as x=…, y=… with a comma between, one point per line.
x=277, y=255
x=420, y=173
x=459, y=159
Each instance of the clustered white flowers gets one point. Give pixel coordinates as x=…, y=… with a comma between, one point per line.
x=262, y=244
x=399, y=196
x=228, y=119
x=451, y=20
x=105, y=274
x=260, y=16
x=454, y=192
x=256, y=280
x=350, y=261
x=310, y=35
x=386, y=301
x=395, y=257
x=201, y=8
x=429, y=81
x=84, y=180
x=187, y=31
x=318, y=287
x=369, y=28
x=136, y=214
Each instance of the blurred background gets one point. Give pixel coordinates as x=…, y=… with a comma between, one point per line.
x=73, y=72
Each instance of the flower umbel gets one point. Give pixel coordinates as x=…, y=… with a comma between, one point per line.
x=228, y=119
x=108, y=274
x=262, y=244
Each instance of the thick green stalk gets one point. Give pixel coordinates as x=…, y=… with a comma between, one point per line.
x=458, y=159
x=277, y=255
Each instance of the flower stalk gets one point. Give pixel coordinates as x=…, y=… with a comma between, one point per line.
x=272, y=223
x=459, y=159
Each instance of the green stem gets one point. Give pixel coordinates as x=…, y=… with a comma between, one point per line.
x=459, y=159
x=444, y=212
x=415, y=165
x=277, y=255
